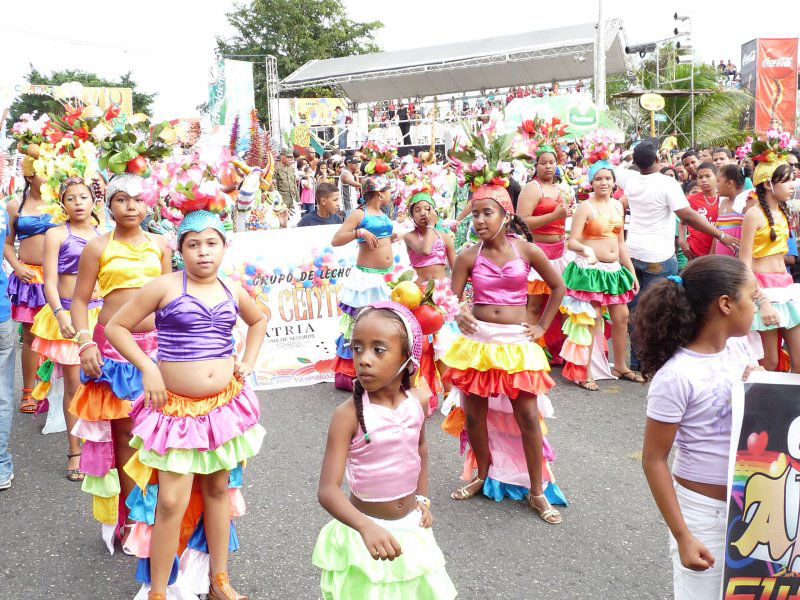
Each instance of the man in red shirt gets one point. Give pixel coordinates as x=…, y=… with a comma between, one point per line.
x=706, y=203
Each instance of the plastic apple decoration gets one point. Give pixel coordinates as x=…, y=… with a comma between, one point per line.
x=430, y=319
x=137, y=166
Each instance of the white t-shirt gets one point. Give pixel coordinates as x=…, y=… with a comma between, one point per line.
x=740, y=200
x=652, y=199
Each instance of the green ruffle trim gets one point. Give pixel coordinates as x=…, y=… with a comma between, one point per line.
x=223, y=458
x=578, y=334
x=45, y=372
x=595, y=280
x=106, y=486
x=346, y=326
x=348, y=570
x=788, y=317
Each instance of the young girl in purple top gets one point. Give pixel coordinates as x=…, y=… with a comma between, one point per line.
x=196, y=422
x=689, y=334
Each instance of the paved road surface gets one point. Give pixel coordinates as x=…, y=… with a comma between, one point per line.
x=612, y=544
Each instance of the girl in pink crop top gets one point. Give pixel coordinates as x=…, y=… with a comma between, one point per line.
x=497, y=356
x=377, y=441
x=429, y=250
x=694, y=370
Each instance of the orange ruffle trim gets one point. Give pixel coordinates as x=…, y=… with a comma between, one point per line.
x=96, y=402
x=455, y=422
x=344, y=366
x=186, y=406
x=538, y=288
x=494, y=382
x=576, y=373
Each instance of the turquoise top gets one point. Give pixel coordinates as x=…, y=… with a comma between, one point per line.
x=378, y=225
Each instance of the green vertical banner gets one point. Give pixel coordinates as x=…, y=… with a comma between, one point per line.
x=217, y=104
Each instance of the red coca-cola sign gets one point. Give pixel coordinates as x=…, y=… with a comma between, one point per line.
x=776, y=84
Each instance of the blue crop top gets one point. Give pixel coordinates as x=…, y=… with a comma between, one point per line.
x=190, y=330
x=378, y=225
x=28, y=226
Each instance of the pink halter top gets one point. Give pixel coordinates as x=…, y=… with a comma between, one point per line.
x=503, y=286
x=438, y=255
x=388, y=467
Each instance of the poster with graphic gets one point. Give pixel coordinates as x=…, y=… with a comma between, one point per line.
x=762, y=558
x=776, y=84
x=231, y=93
x=295, y=275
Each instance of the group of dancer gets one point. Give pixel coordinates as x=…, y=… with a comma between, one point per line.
x=160, y=419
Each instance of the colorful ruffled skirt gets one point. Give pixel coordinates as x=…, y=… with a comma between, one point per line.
x=559, y=257
x=96, y=403
x=49, y=342
x=26, y=298
x=189, y=435
x=588, y=288
x=497, y=362
x=784, y=295
x=362, y=286
x=349, y=571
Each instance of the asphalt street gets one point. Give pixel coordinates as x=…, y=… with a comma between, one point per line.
x=611, y=545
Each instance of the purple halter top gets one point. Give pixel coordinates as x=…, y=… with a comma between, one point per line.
x=69, y=254
x=189, y=330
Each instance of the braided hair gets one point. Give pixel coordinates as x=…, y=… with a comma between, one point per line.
x=781, y=174
x=25, y=191
x=358, y=389
x=518, y=226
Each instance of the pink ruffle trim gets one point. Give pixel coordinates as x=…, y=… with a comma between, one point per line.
x=774, y=280
x=602, y=299
x=24, y=314
x=160, y=433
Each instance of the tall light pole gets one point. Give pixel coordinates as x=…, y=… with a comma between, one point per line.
x=600, y=59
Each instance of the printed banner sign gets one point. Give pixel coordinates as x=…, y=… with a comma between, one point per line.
x=231, y=93
x=577, y=111
x=776, y=84
x=762, y=557
x=295, y=276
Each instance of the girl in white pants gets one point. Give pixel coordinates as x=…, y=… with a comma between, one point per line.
x=689, y=333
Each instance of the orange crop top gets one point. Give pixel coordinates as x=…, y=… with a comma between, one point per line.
x=599, y=228
x=124, y=265
x=545, y=207
x=764, y=246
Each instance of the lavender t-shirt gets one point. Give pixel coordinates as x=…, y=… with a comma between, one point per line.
x=694, y=390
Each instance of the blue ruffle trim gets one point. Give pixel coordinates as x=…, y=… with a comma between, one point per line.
x=235, y=478
x=124, y=378
x=343, y=349
x=143, y=506
x=143, y=571
x=198, y=540
x=360, y=298
x=497, y=491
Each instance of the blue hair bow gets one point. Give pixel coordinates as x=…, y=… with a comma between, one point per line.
x=675, y=279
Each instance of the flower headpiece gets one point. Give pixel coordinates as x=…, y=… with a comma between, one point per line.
x=770, y=153
x=601, y=151
x=423, y=183
x=378, y=157
x=542, y=136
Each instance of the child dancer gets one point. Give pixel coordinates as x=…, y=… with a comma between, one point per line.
x=387, y=516
x=495, y=364
x=601, y=274
x=765, y=235
x=26, y=283
x=688, y=333
x=366, y=283
x=52, y=326
x=197, y=420
x=429, y=251
x=118, y=263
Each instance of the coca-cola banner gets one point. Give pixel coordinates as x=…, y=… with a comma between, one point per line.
x=776, y=84
x=748, y=74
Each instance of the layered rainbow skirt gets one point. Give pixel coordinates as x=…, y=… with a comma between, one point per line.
x=26, y=298
x=189, y=435
x=362, y=286
x=589, y=287
x=559, y=258
x=49, y=342
x=498, y=362
x=349, y=571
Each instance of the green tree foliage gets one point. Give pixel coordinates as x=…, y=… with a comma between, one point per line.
x=28, y=103
x=295, y=32
x=716, y=113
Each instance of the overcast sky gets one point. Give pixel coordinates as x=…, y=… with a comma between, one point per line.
x=168, y=44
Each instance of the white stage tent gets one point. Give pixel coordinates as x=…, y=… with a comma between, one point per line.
x=561, y=54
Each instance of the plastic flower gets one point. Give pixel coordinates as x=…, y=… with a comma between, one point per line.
x=478, y=165
x=772, y=133
x=504, y=167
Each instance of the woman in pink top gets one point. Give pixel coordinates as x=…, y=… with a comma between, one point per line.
x=689, y=333
x=377, y=440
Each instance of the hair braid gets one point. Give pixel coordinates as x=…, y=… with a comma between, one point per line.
x=22, y=202
x=761, y=194
x=517, y=225
x=358, y=392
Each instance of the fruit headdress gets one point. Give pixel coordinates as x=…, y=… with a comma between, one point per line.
x=601, y=151
x=421, y=183
x=769, y=153
x=378, y=157
x=542, y=136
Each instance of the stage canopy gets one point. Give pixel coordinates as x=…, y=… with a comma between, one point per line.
x=562, y=54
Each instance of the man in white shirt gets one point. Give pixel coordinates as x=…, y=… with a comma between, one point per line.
x=340, y=118
x=652, y=200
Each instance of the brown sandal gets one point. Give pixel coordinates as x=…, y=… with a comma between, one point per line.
x=590, y=385
x=549, y=514
x=27, y=404
x=224, y=585
x=463, y=492
x=629, y=375
x=74, y=474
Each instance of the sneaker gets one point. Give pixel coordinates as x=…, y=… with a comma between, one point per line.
x=4, y=485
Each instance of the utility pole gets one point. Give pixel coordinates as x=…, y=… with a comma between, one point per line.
x=600, y=59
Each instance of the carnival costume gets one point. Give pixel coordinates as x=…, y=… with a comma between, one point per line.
x=362, y=286
x=498, y=362
x=556, y=252
x=27, y=299
x=384, y=464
